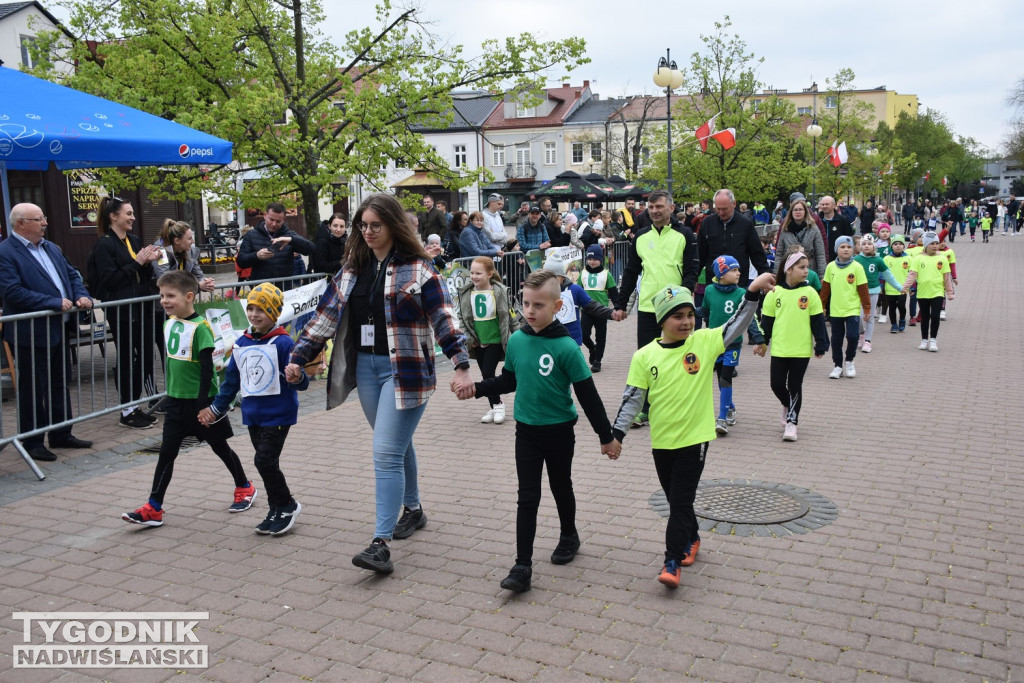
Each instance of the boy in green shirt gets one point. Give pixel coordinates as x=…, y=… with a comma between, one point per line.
x=191, y=386
x=541, y=362
x=673, y=373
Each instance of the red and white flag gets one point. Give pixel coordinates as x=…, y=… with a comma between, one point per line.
x=838, y=154
x=927, y=175
x=726, y=138
x=704, y=133
x=945, y=181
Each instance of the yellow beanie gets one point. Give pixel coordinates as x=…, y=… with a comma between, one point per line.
x=268, y=298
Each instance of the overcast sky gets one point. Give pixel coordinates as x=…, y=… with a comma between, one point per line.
x=959, y=58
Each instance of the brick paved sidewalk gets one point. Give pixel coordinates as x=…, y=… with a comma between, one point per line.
x=918, y=579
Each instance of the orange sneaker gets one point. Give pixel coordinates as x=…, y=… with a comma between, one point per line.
x=244, y=495
x=146, y=515
x=670, y=574
x=691, y=555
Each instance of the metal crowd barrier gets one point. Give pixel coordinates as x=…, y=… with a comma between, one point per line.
x=76, y=380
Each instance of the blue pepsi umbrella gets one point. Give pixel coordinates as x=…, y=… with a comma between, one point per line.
x=42, y=122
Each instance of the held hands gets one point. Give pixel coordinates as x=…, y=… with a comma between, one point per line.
x=612, y=449
x=618, y=315
x=765, y=282
x=206, y=417
x=293, y=373
x=462, y=385
x=760, y=349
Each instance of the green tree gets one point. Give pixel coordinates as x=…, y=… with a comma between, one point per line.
x=302, y=111
x=937, y=154
x=845, y=118
x=723, y=80
x=1015, y=138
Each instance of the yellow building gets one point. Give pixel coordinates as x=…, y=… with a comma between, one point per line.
x=886, y=104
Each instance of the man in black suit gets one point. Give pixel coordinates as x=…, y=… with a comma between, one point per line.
x=35, y=276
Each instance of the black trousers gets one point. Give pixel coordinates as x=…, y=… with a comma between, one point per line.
x=897, y=304
x=930, y=309
x=269, y=442
x=849, y=328
x=488, y=357
x=787, y=381
x=535, y=446
x=596, y=345
x=679, y=472
x=133, y=327
x=180, y=422
x=43, y=397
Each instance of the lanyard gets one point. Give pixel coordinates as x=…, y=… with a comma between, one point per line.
x=381, y=267
x=131, y=251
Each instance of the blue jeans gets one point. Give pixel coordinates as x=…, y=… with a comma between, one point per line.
x=394, y=459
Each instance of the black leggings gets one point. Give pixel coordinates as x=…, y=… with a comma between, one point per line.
x=787, y=381
x=930, y=309
x=679, y=472
x=596, y=347
x=536, y=445
x=268, y=443
x=897, y=304
x=488, y=357
x=181, y=422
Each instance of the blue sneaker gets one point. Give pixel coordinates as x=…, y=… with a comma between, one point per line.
x=895, y=328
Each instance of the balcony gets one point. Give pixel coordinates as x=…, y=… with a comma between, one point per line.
x=526, y=172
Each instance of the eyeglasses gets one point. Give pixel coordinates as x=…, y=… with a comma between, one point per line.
x=41, y=219
x=373, y=228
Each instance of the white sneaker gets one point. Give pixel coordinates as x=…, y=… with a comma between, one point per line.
x=836, y=373
x=942, y=315
x=867, y=347
x=932, y=346
x=883, y=319
x=790, y=434
x=488, y=417
x=849, y=370
x=499, y=413
x=923, y=346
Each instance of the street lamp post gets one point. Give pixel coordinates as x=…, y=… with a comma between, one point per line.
x=668, y=77
x=814, y=130
x=591, y=162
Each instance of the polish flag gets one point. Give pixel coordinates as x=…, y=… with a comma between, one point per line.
x=927, y=175
x=838, y=154
x=944, y=181
x=726, y=138
x=704, y=132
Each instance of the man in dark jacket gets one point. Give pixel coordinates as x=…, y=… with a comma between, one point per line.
x=432, y=220
x=269, y=248
x=726, y=232
x=35, y=276
x=836, y=225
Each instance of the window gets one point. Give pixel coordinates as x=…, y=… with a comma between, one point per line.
x=524, y=112
x=460, y=156
x=550, y=154
x=497, y=155
x=523, y=155
x=804, y=110
x=645, y=155
x=27, y=43
x=831, y=102
x=755, y=104
x=577, y=152
x=595, y=151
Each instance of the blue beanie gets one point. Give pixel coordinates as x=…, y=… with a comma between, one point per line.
x=723, y=264
x=843, y=240
x=595, y=251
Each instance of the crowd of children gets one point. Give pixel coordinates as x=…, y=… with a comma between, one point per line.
x=543, y=362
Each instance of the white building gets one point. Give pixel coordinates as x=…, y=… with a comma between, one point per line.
x=20, y=23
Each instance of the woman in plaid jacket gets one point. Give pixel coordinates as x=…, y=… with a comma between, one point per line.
x=380, y=310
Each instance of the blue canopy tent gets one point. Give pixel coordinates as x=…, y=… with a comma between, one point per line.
x=42, y=122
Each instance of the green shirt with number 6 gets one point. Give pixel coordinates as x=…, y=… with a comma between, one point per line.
x=546, y=366
x=184, y=339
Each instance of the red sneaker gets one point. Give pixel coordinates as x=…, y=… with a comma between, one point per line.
x=244, y=496
x=670, y=574
x=691, y=555
x=146, y=515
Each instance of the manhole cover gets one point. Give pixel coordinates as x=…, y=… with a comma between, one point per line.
x=755, y=508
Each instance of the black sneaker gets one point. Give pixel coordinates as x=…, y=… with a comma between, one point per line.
x=264, y=526
x=411, y=521
x=376, y=557
x=518, y=579
x=595, y=366
x=136, y=420
x=566, y=549
x=284, y=518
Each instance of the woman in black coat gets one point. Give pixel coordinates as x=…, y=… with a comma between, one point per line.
x=867, y=217
x=330, y=246
x=122, y=268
